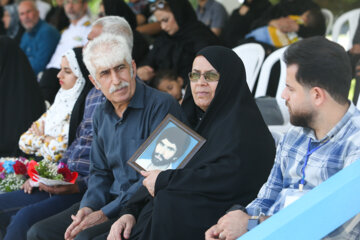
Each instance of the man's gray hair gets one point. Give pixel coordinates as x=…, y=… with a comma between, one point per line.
x=106, y=51
x=116, y=25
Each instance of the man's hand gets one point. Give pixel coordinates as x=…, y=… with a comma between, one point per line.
x=229, y=227
x=80, y=215
x=27, y=186
x=146, y=73
x=123, y=225
x=285, y=24
x=150, y=179
x=355, y=49
x=60, y=189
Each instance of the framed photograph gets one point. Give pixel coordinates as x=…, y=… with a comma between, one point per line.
x=170, y=146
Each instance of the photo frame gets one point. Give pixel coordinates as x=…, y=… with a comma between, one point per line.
x=170, y=146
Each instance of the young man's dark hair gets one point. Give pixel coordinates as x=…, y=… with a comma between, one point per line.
x=321, y=63
x=177, y=137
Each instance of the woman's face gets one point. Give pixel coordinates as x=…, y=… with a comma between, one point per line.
x=167, y=21
x=66, y=77
x=6, y=19
x=203, y=91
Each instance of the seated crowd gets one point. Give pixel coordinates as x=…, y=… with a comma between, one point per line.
x=109, y=91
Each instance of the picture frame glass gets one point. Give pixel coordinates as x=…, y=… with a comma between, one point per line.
x=170, y=146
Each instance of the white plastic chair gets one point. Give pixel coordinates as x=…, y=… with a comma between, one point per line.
x=252, y=55
x=264, y=81
x=329, y=19
x=352, y=18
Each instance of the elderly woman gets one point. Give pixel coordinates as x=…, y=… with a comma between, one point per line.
x=183, y=35
x=231, y=166
x=48, y=137
x=20, y=96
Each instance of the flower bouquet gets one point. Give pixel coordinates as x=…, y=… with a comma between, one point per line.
x=13, y=173
x=51, y=173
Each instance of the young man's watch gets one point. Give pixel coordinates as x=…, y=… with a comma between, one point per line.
x=237, y=207
x=254, y=221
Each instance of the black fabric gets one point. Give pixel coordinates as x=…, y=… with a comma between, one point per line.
x=78, y=110
x=19, y=34
x=49, y=84
x=21, y=101
x=283, y=9
x=239, y=25
x=356, y=39
x=120, y=8
x=2, y=28
x=230, y=167
x=57, y=17
x=177, y=52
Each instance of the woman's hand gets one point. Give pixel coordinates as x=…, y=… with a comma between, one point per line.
x=27, y=186
x=146, y=73
x=38, y=128
x=150, y=179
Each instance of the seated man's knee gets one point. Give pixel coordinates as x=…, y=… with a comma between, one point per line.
x=34, y=233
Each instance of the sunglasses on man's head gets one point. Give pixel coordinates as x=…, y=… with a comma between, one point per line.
x=157, y=5
x=208, y=76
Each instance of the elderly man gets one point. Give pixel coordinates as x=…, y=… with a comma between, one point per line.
x=40, y=39
x=326, y=139
x=132, y=111
x=74, y=36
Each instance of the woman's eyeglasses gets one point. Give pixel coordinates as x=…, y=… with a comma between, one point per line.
x=208, y=76
x=157, y=5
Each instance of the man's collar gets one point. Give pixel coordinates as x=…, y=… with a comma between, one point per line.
x=336, y=129
x=34, y=30
x=82, y=20
x=208, y=4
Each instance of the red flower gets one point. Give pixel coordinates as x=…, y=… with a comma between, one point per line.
x=1, y=167
x=66, y=173
x=19, y=168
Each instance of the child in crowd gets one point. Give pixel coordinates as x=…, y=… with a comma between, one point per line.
x=310, y=23
x=168, y=81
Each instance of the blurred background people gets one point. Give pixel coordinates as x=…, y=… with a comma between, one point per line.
x=212, y=14
x=12, y=24
x=182, y=36
x=40, y=39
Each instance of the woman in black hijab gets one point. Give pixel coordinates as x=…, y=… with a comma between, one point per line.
x=20, y=96
x=241, y=19
x=231, y=166
x=182, y=36
x=121, y=9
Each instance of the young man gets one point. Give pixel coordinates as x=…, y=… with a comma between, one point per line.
x=325, y=140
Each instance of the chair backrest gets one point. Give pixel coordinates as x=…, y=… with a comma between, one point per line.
x=252, y=55
x=319, y=211
x=229, y=5
x=329, y=19
x=265, y=76
x=352, y=18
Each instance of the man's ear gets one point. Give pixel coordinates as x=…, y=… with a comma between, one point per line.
x=133, y=68
x=318, y=95
x=94, y=82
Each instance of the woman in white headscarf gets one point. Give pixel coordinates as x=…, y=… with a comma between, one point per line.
x=48, y=136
